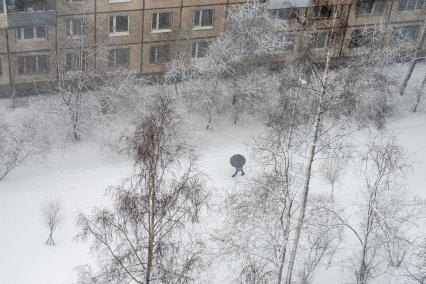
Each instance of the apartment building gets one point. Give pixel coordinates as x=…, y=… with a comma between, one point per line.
x=40, y=37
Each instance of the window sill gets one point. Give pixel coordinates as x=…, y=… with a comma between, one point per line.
x=119, y=66
x=31, y=40
x=33, y=74
x=203, y=28
x=410, y=11
x=370, y=15
x=318, y=49
x=161, y=31
x=118, y=1
x=75, y=37
x=119, y=34
x=74, y=2
x=199, y=59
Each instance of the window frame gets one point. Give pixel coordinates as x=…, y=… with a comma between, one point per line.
x=320, y=9
x=37, y=64
x=196, y=51
x=156, y=29
x=21, y=38
x=82, y=21
x=398, y=32
x=415, y=7
x=114, y=25
x=156, y=47
x=83, y=55
x=370, y=12
x=113, y=63
x=363, y=38
x=316, y=35
x=292, y=14
x=3, y=7
x=200, y=25
x=290, y=47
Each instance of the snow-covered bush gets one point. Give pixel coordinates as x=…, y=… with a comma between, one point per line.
x=21, y=138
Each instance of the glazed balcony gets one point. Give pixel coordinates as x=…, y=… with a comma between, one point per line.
x=30, y=12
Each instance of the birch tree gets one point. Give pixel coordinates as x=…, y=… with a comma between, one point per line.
x=143, y=238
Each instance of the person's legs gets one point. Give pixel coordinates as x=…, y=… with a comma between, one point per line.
x=242, y=171
x=236, y=172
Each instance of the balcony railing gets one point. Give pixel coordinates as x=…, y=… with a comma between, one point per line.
x=29, y=6
x=30, y=13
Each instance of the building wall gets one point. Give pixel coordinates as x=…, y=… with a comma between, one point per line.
x=141, y=37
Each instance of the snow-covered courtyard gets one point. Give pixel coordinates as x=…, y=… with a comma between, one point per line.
x=79, y=175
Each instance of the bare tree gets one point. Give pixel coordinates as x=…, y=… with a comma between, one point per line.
x=142, y=239
x=234, y=59
x=332, y=168
x=415, y=267
x=329, y=85
x=20, y=140
x=419, y=94
x=52, y=217
x=261, y=216
x=387, y=213
x=417, y=58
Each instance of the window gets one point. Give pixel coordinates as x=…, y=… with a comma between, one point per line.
x=288, y=43
x=162, y=22
x=75, y=27
x=370, y=7
x=76, y=61
x=325, y=12
x=290, y=40
x=199, y=49
x=74, y=1
x=408, y=5
x=284, y=14
x=119, y=25
x=34, y=64
x=31, y=33
x=1, y=7
x=319, y=40
x=119, y=57
x=360, y=38
x=405, y=33
x=202, y=18
x=159, y=54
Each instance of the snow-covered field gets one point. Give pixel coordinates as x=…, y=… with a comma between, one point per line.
x=79, y=174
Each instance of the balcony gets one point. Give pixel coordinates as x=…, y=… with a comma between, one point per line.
x=30, y=12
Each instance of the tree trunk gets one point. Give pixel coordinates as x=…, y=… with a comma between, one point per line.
x=151, y=224
x=413, y=63
x=419, y=94
x=284, y=252
x=49, y=240
x=13, y=97
x=305, y=190
x=176, y=89
x=313, y=144
x=210, y=121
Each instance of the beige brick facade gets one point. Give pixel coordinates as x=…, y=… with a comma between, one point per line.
x=143, y=44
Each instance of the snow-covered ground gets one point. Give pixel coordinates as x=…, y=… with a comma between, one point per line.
x=79, y=175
